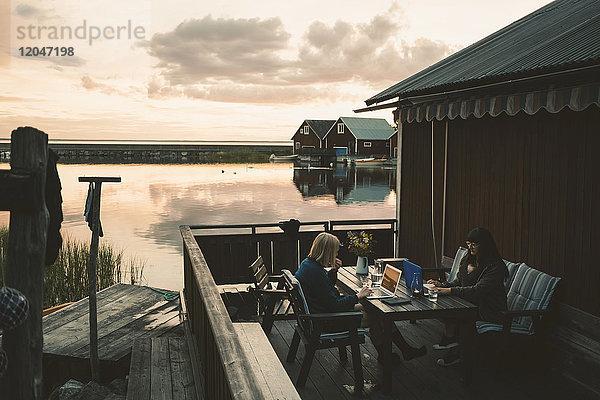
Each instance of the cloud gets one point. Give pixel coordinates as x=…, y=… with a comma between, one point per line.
x=27, y=11
x=72, y=61
x=42, y=14
x=252, y=61
x=369, y=52
x=93, y=84
x=58, y=63
x=13, y=99
x=199, y=51
x=260, y=94
x=90, y=84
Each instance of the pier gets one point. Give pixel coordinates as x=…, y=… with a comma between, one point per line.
x=153, y=152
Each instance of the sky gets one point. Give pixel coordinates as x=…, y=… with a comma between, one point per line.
x=220, y=70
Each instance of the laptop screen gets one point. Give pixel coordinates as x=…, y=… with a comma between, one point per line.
x=391, y=276
x=411, y=272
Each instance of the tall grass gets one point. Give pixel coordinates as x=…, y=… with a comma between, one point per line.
x=67, y=279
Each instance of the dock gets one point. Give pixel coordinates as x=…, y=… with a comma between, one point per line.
x=126, y=313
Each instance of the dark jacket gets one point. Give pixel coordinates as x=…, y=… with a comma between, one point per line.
x=484, y=287
x=319, y=288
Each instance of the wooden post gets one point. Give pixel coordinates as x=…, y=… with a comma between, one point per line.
x=25, y=269
x=92, y=268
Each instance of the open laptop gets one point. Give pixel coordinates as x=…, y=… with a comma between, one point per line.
x=389, y=283
x=412, y=271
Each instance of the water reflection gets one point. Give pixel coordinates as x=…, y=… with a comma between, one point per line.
x=142, y=214
x=346, y=185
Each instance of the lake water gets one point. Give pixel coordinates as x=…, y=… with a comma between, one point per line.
x=142, y=214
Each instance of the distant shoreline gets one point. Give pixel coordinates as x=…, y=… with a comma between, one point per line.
x=154, y=142
x=154, y=153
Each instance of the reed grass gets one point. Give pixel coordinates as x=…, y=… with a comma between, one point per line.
x=67, y=279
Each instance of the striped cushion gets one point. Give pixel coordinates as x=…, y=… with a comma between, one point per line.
x=484, y=326
x=512, y=268
x=530, y=290
x=460, y=253
x=342, y=335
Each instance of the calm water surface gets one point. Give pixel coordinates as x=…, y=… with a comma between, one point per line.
x=143, y=212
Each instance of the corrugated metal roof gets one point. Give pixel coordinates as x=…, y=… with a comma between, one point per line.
x=320, y=126
x=368, y=128
x=559, y=36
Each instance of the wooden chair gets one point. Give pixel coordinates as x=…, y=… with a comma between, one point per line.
x=270, y=295
x=311, y=329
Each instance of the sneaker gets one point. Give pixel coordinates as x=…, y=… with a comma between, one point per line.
x=446, y=343
x=448, y=360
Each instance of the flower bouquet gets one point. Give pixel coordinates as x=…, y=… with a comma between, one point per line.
x=361, y=245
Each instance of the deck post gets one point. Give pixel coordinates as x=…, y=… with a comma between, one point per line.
x=92, y=268
x=26, y=256
x=96, y=183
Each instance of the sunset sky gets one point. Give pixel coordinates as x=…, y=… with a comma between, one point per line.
x=221, y=70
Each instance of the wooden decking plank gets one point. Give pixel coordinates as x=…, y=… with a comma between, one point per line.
x=255, y=366
x=182, y=379
x=440, y=382
x=267, y=363
x=324, y=383
x=160, y=375
x=139, y=371
x=117, y=343
x=81, y=307
x=281, y=345
x=109, y=320
x=192, y=346
x=72, y=335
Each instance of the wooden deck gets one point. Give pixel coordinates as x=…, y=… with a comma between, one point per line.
x=420, y=378
x=125, y=313
x=161, y=369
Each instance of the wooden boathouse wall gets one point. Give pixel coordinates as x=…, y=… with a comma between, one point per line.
x=534, y=181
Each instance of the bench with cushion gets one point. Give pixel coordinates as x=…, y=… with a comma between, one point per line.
x=527, y=299
x=528, y=294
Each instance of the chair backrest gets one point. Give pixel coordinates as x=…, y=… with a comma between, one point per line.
x=259, y=273
x=512, y=269
x=296, y=295
x=460, y=253
x=530, y=290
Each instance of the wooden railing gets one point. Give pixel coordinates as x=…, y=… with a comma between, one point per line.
x=227, y=372
x=230, y=249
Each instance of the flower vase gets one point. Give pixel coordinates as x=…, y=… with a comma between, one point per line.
x=362, y=265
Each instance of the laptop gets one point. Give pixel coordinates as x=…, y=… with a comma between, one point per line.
x=389, y=283
x=412, y=271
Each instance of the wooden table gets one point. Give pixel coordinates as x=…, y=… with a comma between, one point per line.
x=447, y=306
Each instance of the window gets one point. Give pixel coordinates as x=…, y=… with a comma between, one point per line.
x=387, y=144
x=308, y=147
x=297, y=145
x=306, y=130
x=367, y=144
x=340, y=128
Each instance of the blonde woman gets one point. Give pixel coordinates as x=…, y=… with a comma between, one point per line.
x=321, y=294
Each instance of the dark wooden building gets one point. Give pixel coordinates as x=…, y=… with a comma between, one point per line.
x=505, y=134
x=361, y=136
x=310, y=134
